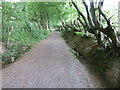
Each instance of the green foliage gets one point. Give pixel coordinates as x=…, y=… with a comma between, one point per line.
x=6, y=57
x=25, y=23
x=83, y=34
x=80, y=33
x=26, y=37
x=20, y=28
x=22, y=41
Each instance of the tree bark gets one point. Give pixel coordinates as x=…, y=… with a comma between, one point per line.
x=88, y=14
x=80, y=14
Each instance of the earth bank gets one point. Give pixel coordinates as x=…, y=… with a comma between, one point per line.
x=99, y=62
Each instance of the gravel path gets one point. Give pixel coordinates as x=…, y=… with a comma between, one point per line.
x=50, y=64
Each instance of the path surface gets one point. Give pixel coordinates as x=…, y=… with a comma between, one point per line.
x=50, y=64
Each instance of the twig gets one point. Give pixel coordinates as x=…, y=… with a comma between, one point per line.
x=113, y=15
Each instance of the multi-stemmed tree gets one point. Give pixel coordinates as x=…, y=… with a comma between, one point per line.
x=92, y=23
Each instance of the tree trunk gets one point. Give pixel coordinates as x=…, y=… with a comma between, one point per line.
x=9, y=35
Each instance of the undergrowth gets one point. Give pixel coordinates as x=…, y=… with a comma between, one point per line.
x=21, y=42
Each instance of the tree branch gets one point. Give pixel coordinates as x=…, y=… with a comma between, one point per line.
x=101, y=12
x=88, y=15
x=93, y=14
x=113, y=15
x=80, y=13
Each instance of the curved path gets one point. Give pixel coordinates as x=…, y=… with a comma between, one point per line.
x=50, y=64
